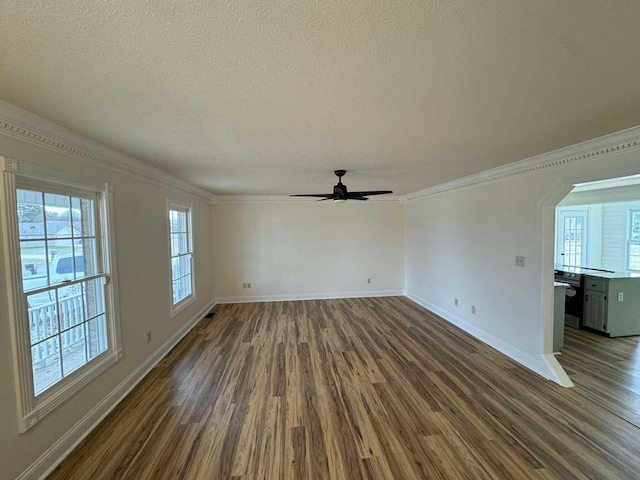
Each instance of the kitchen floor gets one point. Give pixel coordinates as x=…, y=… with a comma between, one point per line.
x=606, y=370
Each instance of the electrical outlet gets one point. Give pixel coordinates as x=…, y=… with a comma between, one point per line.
x=519, y=261
x=368, y=280
x=473, y=309
x=620, y=296
x=149, y=337
x=455, y=302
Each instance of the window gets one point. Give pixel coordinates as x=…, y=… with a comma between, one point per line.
x=633, y=258
x=571, y=236
x=181, y=256
x=63, y=318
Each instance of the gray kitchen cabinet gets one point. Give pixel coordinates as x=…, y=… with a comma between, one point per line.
x=595, y=313
x=612, y=305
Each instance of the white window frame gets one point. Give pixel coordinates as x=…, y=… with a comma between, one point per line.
x=32, y=408
x=178, y=307
x=629, y=239
x=561, y=212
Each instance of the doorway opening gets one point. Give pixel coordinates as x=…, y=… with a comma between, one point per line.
x=597, y=242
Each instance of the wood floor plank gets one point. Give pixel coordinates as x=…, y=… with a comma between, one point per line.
x=366, y=388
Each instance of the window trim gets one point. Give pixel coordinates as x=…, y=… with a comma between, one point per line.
x=31, y=408
x=176, y=308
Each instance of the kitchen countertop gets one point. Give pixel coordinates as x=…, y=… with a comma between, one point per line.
x=593, y=273
x=614, y=275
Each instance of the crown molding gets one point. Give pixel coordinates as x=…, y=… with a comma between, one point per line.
x=623, y=141
x=228, y=199
x=23, y=125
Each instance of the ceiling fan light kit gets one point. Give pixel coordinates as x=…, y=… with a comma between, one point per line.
x=340, y=193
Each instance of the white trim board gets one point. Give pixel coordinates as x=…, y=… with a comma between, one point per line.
x=623, y=141
x=309, y=296
x=23, y=125
x=50, y=459
x=544, y=365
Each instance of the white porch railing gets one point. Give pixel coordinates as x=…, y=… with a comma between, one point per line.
x=45, y=323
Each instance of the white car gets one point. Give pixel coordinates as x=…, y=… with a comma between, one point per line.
x=62, y=268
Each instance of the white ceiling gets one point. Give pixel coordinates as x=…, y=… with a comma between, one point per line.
x=270, y=96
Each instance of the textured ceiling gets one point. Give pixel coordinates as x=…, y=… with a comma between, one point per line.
x=270, y=96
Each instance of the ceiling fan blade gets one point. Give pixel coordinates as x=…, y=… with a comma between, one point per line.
x=367, y=194
x=326, y=195
x=324, y=199
x=358, y=198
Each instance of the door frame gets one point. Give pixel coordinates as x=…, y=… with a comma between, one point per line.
x=547, y=241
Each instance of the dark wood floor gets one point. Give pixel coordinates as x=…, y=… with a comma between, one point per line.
x=605, y=370
x=347, y=389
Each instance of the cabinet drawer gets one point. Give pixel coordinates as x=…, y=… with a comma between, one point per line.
x=595, y=284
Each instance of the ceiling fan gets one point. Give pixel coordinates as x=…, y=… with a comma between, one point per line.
x=340, y=193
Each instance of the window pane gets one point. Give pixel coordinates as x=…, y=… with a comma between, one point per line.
x=30, y=214
x=93, y=297
x=181, y=288
x=634, y=234
x=86, y=262
x=97, y=336
x=57, y=212
x=82, y=217
x=180, y=266
x=70, y=306
x=73, y=349
x=178, y=221
x=634, y=255
x=69, y=267
x=34, y=264
x=179, y=244
x=45, y=360
x=31, y=229
x=43, y=316
x=186, y=285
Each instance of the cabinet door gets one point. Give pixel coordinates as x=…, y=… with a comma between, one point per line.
x=594, y=311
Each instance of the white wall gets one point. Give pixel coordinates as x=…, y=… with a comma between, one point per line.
x=307, y=250
x=463, y=245
x=616, y=234
x=144, y=291
x=460, y=242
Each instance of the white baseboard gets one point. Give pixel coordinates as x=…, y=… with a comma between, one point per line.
x=548, y=368
x=309, y=296
x=50, y=459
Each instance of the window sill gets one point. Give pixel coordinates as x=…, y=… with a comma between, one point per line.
x=58, y=394
x=181, y=305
